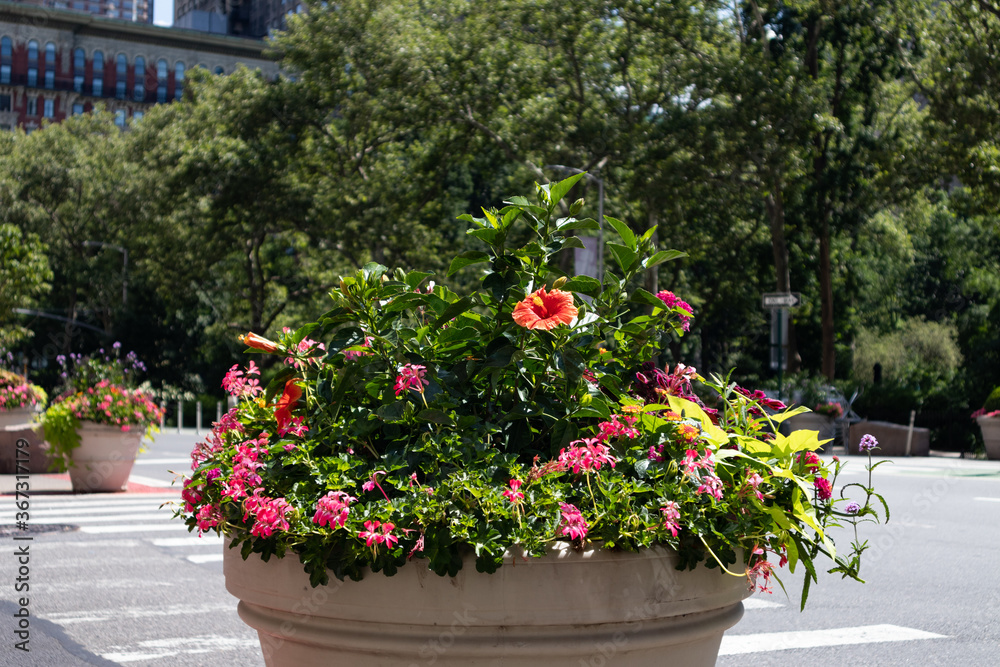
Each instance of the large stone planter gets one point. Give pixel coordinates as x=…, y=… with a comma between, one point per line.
x=16, y=416
x=104, y=458
x=990, y=426
x=563, y=610
x=891, y=438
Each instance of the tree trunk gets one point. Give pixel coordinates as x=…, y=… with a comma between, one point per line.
x=779, y=247
x=826, y=298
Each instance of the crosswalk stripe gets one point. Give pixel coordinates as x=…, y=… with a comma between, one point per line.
x=205, y=558
x=209, y=539
x=780, y=641
x=165, y=461
x=989, y=500
x=74, y=519
x=757, y=603
x=89, y=511
x=97, y=616
x=130, y=499
x=165, y=648
x=133, y=528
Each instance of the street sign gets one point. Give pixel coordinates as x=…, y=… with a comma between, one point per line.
x=781, y=300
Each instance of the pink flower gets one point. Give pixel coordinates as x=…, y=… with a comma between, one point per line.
x=387, y=536
x=711, y=485
x=671, y=513
x=333, y=509
x=572, y=523
x=615, y=429
x=811, y=460
x=591, y=456
x=270, y=517
x=671, y=301
x=824, y=490
x=351, y=356
x=370, y=534
x=755, y=480
x=418, y=547
x=208, y=517
x=512, y=494
x=411, y=376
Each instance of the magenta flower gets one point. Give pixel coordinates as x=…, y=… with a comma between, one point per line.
x=371, y=534
x=270, y=517
x=824, y=490
x=755, y=480
x=591, y=456
x=615, y=429
x=512, y=494
x=208, y=517
x=711, y=485
x=572, y=523
x=411, y=376
x=672, y=301
x=333, y=509
x=671, y=513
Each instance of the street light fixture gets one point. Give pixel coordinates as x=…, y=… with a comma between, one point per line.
x=124, y=252
x=600, y=208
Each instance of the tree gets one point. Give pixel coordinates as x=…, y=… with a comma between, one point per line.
x=24, y=276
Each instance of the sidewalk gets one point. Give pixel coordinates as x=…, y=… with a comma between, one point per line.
x=59, y=484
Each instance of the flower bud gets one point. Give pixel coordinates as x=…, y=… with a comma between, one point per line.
x=259, y=342
x=576, y=206
x=559, y=283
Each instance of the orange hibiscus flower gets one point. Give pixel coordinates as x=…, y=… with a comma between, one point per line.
x=545, y=310
x=283, y=408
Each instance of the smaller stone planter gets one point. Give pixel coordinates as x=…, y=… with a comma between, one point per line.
x=16, y=417
x=990, y=427
x=35, y=460
x=104, y=458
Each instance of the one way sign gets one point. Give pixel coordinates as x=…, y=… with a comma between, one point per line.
x=782, y=300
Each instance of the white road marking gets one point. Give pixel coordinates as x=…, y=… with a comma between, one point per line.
x=164, y=648
x=110, y=512
x=165, y=462
x=95, y=616
x=133, y=528
x=205, y=558
x=990, y=500
x=780, y=641
x=757, y=603
x=90, y=544
x=152, y=481
x=41, y=502
x=208, y=539
x=74, y=519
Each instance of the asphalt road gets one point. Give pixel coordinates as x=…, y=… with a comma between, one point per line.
x=131, y=586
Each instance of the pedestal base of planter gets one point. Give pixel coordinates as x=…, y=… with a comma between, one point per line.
x=563, y=610
x=891, y=438
x=37, y=460
x=990, y=427
x=17, y=417
x=104, y=458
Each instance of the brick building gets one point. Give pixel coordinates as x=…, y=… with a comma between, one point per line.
x=56, y=63
x=245, y=18
x=140, y=11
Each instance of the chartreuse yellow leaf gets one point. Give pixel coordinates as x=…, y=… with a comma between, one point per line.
x=783, y=446
x=791, y=412
x=689, y=410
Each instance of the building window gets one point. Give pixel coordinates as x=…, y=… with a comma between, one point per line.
x=50, y=79
x=178, y=80
x=137, y=115
x=219, y=70
x=32, y=106
x=4, y=73
x=139, y=88
x=33, y=53
x=4, y=102
x=79, y=69
x=48, y=108
x=6, y=49
x=98, y=84
x=121, y=71
x=120, y=118
x=50, y=55
x=161, y=81
x=77, y=109
x=33, y=76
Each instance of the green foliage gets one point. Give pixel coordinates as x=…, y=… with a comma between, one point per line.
x=411, y=421
x=918, y=353
x=61, y=425
x=24, y=276
x=992, y=401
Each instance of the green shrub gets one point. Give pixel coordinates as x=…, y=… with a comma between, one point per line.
x=992, y=401
x=919, y=353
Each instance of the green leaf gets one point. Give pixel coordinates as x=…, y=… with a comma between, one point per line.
x=435, y=416
x=663, y=256
x=559, y=190
x=391, y=412
x=583, y=285
x=407, y=301
x=467, y=258
x=624, y=231
x=490, y=236
x=414, y=278
x=572, y=242
x=624, y=256
x=373, y=270
x=566, y=224
x=642, y=296
x=454, y=310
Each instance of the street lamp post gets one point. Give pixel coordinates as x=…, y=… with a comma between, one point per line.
x=600, y=209
x=124, y=251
